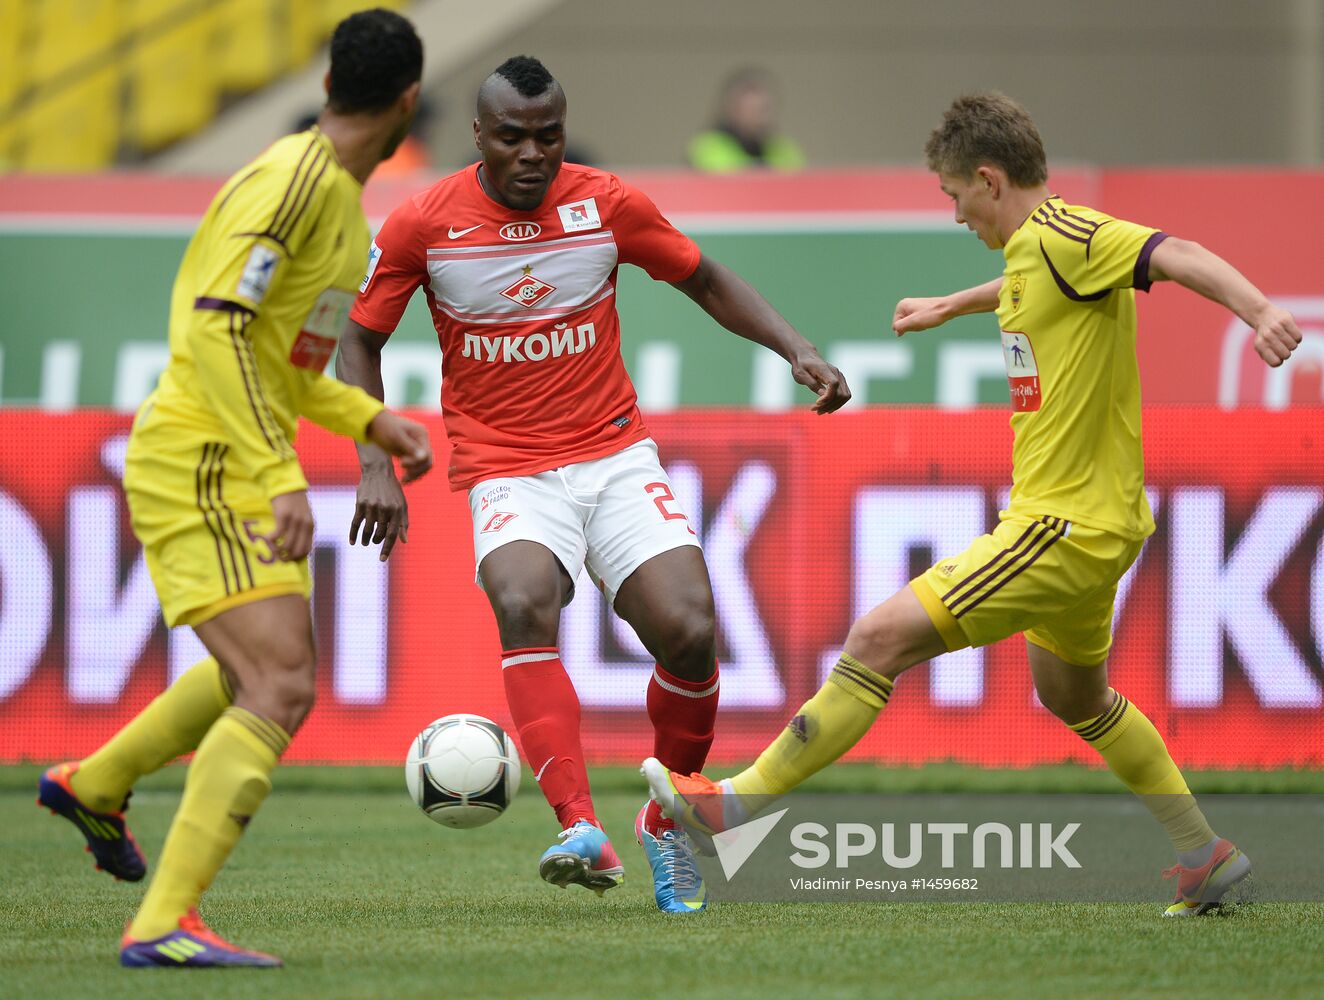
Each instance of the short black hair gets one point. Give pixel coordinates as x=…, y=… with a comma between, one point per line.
x=526, y=74
x=375, y=56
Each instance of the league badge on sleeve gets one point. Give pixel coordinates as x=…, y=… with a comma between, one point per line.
x=580, y=215
x=256, y=279
x=374, y=255
x=1022, y=371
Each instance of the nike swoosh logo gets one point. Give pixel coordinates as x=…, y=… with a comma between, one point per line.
x=538, y=776
x=453, y=234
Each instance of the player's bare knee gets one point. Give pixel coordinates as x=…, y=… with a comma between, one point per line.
x=526, y=617
x=289, y=676
x=1072, y=707
x=877, y=643
x=689, y=646
x=296, y=699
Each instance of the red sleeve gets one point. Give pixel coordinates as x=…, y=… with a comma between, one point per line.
x=645, y=238
x=397, y=266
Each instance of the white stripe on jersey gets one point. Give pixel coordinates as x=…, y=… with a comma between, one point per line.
x=467, y=282
x=522, y=313
x=523, y=249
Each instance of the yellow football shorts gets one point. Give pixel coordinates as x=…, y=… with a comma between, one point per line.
x=204, y=527
x=1047, y=577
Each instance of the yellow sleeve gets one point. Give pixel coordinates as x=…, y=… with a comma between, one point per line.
x=340, y=408
x=227, y=370
x=1090, y=254
x=259, y=221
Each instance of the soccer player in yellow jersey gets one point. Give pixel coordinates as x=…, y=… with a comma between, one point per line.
x=1078, y=513
x=217, y=497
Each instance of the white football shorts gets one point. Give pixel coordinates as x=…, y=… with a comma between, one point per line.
x=610, y=515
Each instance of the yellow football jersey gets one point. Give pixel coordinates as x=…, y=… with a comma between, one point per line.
x=1068, y=318
x=261, y=298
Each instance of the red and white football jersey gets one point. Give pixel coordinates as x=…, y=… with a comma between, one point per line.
x=525, y=309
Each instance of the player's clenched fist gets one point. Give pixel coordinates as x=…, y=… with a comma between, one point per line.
x=292, y=538
x=920, y=314
x=406, y=439
x=1276, y=335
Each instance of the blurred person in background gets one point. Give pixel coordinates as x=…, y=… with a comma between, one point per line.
x=745, y=136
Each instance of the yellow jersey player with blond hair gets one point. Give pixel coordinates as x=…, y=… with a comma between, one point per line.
x=217, y=497
x=1078, y=514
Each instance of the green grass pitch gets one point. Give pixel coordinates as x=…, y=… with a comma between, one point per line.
x=363, y=897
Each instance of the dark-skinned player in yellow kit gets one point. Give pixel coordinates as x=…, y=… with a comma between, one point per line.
x=218, y=499
x=1078, y=514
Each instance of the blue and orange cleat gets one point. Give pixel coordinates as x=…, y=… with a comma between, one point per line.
x=193, y=946
x=583, y=857
x=1202, y=889
x=677, y=883
x=108, y=836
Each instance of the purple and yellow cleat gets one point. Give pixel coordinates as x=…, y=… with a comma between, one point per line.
x=108, y=836
x=193, y=946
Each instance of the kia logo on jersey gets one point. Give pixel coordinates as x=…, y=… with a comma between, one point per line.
x=521, y=232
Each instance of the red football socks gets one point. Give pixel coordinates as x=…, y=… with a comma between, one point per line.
x=682, y=713
x=545, y=709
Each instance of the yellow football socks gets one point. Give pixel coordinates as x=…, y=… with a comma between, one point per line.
x=227, y=781
x=827, y=725
x=1135, y=752
x=173, y=724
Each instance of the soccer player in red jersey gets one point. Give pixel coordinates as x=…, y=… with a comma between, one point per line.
x=517, y=256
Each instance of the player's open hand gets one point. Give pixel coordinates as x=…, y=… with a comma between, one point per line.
x=825, y=379
x=920, y=314
x=406, y=439
x=292, y=538
x=380, y=510
x=1276, y=335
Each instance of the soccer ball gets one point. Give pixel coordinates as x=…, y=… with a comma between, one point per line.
x=462, y=771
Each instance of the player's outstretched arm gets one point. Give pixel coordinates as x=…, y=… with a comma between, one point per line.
x=915, y=314
x=733, y=302
x=380, y=508
x=1202, y=271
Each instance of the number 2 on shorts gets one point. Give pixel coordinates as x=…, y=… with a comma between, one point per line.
x=662, y=496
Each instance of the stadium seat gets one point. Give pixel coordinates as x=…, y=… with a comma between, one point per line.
x=68, y=33
x=174, y=88
x=304, y=29
x=250, y=49
x=76, y=128
x=16, y=17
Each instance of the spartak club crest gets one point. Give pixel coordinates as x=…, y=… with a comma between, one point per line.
x=528, y=291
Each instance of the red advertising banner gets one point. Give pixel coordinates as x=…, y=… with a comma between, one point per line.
x=806, y=522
